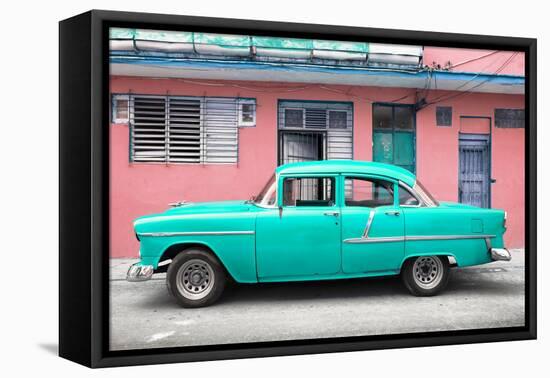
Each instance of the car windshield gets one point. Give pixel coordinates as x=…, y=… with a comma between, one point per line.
x=423, y=193
x=268, y=195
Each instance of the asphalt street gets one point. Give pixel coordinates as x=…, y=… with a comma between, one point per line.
x=144, y=315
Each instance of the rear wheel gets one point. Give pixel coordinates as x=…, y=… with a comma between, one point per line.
x=195, y=278
x=426, y=275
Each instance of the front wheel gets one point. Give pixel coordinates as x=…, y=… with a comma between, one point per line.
x=195, y=278
x=426, y=275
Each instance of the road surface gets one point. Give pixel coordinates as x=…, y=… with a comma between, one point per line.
x=144, y=315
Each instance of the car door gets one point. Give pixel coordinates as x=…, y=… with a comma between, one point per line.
x=372, y=226
x=301, y=237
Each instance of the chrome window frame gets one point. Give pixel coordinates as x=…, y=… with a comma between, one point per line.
x=414, y=192
x=275, y=204
x=403, y=185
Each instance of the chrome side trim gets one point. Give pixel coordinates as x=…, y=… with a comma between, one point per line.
x=369, y=223
x=447, y=237
x=387, y=239
x=196, y=233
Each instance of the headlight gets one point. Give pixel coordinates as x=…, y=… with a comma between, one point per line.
x=505, y=217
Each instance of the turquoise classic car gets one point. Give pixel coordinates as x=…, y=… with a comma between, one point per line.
x=320, y=220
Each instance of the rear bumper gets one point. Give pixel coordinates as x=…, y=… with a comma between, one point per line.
x=500, y=254
x=139, y=273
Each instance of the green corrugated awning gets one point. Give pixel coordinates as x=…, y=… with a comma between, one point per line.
x=164, y=36
x=283, y=43
x=121, y=33
x=362, y=47
x=228, y=40
x=225, y=40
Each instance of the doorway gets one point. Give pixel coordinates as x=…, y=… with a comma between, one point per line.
x=474, y=169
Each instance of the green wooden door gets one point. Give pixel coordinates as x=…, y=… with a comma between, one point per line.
x=394, y=135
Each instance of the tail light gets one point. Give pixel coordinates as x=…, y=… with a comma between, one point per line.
x=505, y=217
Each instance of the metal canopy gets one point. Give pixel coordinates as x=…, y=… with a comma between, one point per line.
x=212, y=70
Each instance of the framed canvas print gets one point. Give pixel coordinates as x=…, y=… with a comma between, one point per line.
x=234, y=188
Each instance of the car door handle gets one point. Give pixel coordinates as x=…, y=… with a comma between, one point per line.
x=332, y=214
x=392, y=212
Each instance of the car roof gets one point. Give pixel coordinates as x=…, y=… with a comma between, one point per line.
x=350, y=167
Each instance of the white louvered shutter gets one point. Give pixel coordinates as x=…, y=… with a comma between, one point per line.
x=184, y=130
x=221, y=130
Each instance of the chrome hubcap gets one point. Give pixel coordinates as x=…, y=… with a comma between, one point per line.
x=195, y=279
x=428, y=272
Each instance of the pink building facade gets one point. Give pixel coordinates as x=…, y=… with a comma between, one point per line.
x=139, y=188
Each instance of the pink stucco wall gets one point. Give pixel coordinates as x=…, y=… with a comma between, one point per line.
x=138, y=189
x=437, y=157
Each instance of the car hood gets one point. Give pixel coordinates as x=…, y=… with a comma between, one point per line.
x=209, y=207
x=193, y=208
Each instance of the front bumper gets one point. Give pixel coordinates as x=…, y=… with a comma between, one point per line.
x=139, y=273
x=500, y=254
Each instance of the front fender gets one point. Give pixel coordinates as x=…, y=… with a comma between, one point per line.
x=235, y=252
x=230, y=236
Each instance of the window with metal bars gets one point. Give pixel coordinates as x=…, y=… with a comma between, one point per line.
x=444, y=115
x=510, y=118
x=315, y=130
x=176, y=129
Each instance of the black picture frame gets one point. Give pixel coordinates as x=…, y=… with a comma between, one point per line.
x=84, y=174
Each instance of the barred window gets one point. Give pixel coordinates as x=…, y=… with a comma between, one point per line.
x=444, y=115
x=337, y=119
x=294, y=117
x=315, y=130
x=175, y=129
x=510, y=118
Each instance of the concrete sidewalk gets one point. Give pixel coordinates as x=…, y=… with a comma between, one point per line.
x=144, y=315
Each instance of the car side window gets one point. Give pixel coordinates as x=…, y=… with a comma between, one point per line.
x=406, y=198
x=308, y=191
x=368, y=192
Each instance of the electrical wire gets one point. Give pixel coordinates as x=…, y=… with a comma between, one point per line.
x=469, y=90
x=286, y=89
x=473, y=59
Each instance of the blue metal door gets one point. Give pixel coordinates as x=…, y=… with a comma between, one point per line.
x=474, y=173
